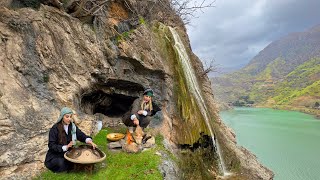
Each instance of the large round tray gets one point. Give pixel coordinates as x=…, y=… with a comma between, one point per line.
x=85, y=154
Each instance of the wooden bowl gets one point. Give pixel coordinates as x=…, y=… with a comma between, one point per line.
x=115, y=136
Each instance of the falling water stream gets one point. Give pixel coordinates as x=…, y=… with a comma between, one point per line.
x=195, y=90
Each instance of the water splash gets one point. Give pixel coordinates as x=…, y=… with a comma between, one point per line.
x=222, y=164
x=195, y=89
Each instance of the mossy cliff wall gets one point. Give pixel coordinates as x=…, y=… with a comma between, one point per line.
x=188, y=122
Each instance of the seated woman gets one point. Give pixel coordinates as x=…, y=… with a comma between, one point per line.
x=141, y=111
x=63, y=136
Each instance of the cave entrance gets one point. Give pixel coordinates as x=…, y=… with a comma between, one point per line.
x=112, y=99
x=111, y=105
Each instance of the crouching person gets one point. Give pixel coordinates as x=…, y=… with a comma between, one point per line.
x=141, y=111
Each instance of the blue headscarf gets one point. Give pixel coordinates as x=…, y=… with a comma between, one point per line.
x=64, y=111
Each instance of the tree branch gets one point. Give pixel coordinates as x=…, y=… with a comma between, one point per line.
x=187, y=11
x=212, y=67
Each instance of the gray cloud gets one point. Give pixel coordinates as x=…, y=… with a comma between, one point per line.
x=235, y=31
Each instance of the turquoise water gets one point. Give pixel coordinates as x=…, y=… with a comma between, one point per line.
x=286, y=142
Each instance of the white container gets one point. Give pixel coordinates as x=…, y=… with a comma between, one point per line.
x=99, y=125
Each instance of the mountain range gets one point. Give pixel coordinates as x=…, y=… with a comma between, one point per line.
x=285, y=74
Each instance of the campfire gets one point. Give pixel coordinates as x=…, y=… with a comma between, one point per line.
x=133, y=142
x=129, y=138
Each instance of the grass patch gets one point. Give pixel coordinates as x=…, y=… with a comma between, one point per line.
x=124, y=36
x=118, y=165
x=141, y=20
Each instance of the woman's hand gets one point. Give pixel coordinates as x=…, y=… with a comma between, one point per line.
x=136, y=121
x=69, y=145
x=92, y=144
x=140, y=112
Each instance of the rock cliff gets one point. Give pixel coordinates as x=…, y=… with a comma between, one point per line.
x=95, y=65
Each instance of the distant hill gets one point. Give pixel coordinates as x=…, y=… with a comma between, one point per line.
x=284, y=74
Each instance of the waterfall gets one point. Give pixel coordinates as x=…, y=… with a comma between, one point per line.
x=194, y=87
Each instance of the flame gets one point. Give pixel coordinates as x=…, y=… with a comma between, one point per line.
x=129, y=138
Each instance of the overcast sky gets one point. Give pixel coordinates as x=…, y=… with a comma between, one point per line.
x=234, y=31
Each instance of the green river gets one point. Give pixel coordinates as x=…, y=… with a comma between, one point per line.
x=286, y=142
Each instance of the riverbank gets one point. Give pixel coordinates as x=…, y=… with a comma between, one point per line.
x=311, y=111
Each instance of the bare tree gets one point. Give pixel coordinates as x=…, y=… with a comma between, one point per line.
x=210, y=67
x=186, y=9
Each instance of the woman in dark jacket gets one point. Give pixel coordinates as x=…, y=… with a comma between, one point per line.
x=62, y=136
x=141, y=110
